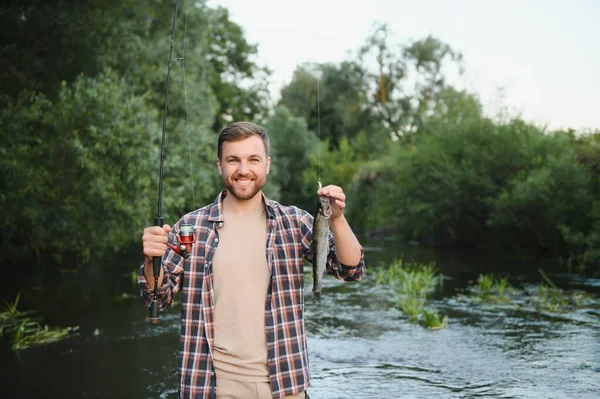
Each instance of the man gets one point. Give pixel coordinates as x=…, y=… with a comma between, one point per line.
x=242, y=325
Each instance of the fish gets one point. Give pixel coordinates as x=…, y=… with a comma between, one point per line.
x=320, y=243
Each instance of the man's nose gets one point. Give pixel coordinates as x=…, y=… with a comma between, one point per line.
x=243, y=168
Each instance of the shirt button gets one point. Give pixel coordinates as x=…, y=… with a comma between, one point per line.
x=212, y=373
x=220, y=224
x=216, y=240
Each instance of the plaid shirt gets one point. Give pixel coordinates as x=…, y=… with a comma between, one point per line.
x=289, y=234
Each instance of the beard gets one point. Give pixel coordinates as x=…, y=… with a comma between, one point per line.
x=244, y=193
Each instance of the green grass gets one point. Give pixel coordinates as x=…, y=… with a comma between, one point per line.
x=549, y=297
x=413, y=283
x=411, y=279
x=411, y=306
x=431, y=319
x=492, y=288
x=24, y=330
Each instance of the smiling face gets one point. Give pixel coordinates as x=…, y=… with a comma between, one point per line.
x=244, y=166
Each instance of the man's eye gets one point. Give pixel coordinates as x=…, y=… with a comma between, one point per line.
x=232, y=161
x=254, y=160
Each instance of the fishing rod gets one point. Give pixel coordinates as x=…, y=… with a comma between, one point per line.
x=186, y=235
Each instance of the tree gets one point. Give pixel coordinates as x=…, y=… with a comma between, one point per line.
x=292, y=144
x=43, y=45
x=408, y=83
x=239, y=84
x=83, y=95
x=331, y=99
x=76, y=170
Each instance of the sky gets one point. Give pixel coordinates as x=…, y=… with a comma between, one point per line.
x=533, y=58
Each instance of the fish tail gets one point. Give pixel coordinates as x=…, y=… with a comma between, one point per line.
x=316, y=295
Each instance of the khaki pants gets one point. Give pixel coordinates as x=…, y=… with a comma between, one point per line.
x=228, y=389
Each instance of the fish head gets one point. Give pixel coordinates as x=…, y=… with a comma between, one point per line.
x=324, y=207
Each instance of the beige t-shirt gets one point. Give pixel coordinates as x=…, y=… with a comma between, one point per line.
x=241, y=281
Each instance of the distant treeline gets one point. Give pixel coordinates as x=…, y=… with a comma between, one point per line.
x=81, y=125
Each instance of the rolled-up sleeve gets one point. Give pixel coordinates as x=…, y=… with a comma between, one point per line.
x=341, y=271
x=334, y=266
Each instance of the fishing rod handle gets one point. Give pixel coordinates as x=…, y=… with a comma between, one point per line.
x=156, y=265
x=154, y=312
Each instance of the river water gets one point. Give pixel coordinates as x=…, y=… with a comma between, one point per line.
x=360, y=345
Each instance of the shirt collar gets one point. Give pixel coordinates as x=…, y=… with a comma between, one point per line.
x=216, y=209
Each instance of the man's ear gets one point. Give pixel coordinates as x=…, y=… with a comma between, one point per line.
x=268, y=164
x=219, y=167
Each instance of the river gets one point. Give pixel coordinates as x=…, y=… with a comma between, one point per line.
x=360, y=345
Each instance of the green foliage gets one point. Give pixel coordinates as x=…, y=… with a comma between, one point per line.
x=431, y=319
x=416, y=280
x=584, y=245
x=583, y=242
x=46, y=43
x=337, y=166
x=291, y=145
x=479, y=183
x=413, y=283
x=82, y=101
x=549, y=297
x=492, y=288
x=543, y=297
x=411, y=306
x=82, y=108
x=550, y=192
x=24, y=330
x=83, y=172
x=331, y=98
x=76, y=168
x=239, y=84
x=409, y=80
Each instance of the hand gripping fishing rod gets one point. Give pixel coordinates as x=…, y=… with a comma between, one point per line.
x=158, y=221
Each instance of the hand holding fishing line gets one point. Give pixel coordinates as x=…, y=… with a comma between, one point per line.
x=337, y=199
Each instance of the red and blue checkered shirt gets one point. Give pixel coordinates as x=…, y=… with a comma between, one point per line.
x=289, y=234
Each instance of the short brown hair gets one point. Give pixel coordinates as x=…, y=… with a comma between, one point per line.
x=241, y=130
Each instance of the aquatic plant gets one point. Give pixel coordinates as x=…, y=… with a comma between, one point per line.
x=431, y=319
x=417, y=280
x=413, y=283
x=24, y=330
x=549, y=297
x=411, y=306
x=492, y=288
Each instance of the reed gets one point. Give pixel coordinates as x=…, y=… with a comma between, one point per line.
x=549, y=297
x=492, y=288
x=431, y=319
x=24, y=330
x=413, y=283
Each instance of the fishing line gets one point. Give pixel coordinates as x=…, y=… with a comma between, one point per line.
x=187, y=116
x=319, y=123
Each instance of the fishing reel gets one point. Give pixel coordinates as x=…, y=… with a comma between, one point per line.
x=185, y=237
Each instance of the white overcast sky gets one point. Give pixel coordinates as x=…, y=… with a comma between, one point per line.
x=545, y=55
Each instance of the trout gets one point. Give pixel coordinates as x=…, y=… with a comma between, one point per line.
x=320, y=243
